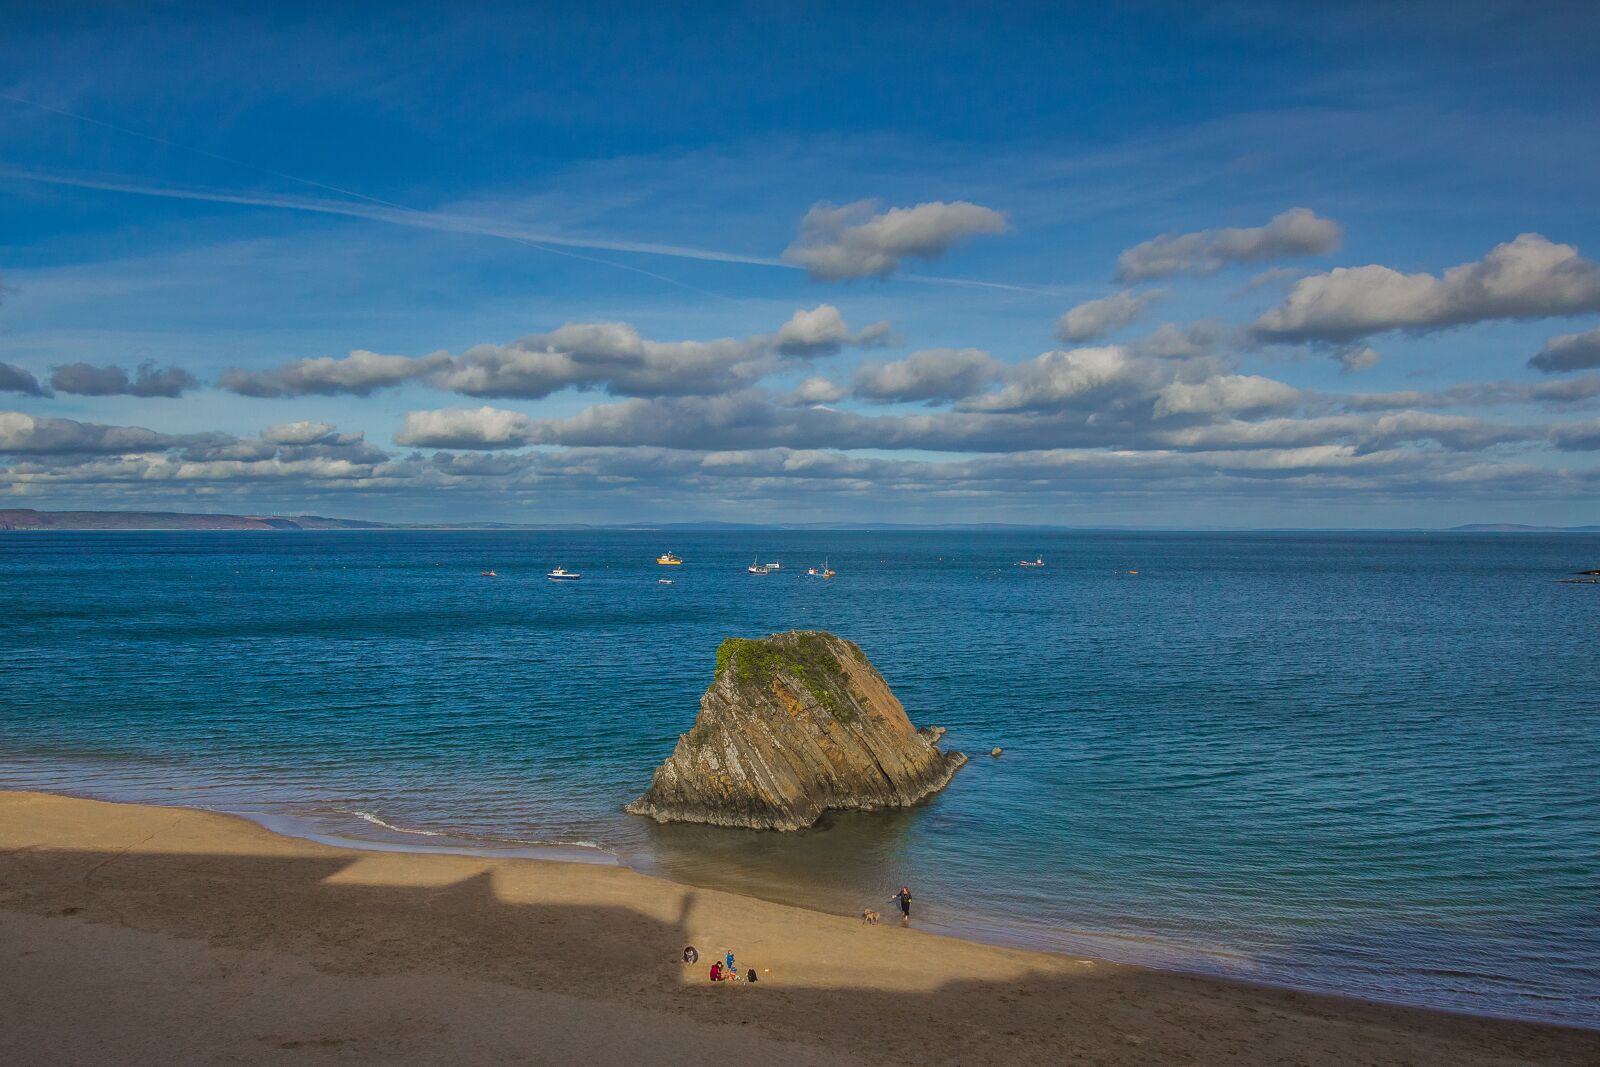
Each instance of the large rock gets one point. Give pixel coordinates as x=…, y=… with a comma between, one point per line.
x=792, y=726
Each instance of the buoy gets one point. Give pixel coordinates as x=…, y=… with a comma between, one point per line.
x=995, y=752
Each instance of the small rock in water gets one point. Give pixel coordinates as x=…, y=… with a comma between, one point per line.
x=995, y=751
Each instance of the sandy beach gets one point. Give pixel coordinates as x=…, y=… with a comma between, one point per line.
x=135, y=934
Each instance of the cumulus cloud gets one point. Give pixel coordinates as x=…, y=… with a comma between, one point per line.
x=1094, y=319
x=817, y=391
x=1225, y=393
x=14, y=379
x=485, y=427
x=1569, y=352
x=938, y=374
x=612, y=356
x=298, y=433
x=1171, y=341
x=1296, y=232
x=84, y=379
x=1353, y=358
x=24, y=433
x=858, y=241
x=1109, y=377
x=1530, y=277
x=359, y=374
x=1576, y=436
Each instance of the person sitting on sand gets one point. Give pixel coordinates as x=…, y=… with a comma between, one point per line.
x=749, y=974
x=691, y=955
x=716, y=971
x=904, y=897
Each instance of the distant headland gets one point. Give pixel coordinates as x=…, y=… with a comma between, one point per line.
x=33, y=519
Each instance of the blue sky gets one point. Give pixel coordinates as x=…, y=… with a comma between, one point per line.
x=792, y=262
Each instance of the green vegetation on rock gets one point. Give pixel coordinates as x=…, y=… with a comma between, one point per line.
x=810, y=665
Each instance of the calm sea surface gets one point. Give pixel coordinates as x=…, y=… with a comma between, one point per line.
x=1360, y=763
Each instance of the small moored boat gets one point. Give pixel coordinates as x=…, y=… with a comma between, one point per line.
x=561, y=574
x=1038, y=562
x=758, y=567
x=667, y=559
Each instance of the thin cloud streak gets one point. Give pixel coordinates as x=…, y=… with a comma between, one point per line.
x=374, y=210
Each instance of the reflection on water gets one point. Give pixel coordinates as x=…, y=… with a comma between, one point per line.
x=849, y=861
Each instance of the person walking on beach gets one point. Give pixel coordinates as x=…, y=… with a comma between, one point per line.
x=904, y=897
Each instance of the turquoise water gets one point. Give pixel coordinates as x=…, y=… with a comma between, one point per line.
x=1360, y=763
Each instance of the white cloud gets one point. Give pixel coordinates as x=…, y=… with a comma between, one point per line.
x=298, y=433
x=823, y=331
x=817, y=391
x=484, y=427
x=1576, y=436
x=1225, y=393
x=1568, y=352
x=612, y=356
x=358, y=374
x=933, y=375
x=1353, y=358
x=1171, y=341
x=1296, y=232
x=84, y=379
x=1094, y=319
x=24, y=433
x=857, y=241
x=1530, y=277
x=1107, y=376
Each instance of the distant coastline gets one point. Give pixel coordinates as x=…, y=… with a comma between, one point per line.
x=31, y=519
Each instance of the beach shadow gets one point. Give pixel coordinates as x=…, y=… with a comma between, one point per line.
x=367, y=915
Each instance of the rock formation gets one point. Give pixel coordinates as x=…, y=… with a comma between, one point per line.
x=794, y=725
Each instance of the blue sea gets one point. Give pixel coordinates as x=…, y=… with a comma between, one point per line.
x=1359, y=763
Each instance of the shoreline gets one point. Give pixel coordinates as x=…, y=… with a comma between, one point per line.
x=305, y=828
x=603, y=940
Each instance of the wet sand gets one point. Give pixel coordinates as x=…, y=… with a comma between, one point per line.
x=132, y=934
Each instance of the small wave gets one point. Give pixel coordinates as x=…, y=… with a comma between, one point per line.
x=374, y=820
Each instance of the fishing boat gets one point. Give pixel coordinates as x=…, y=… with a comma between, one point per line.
x=487, y=574
x=827, y=572
x=758, y=567
x=812, y=572
x=667, y=559
x=561, y=574
x=1039, y=562
x=774, y=566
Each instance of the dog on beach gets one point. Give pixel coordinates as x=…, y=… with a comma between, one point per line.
x=870, y=917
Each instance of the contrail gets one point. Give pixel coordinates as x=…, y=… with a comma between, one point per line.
x=378, y=210
x=403, y=216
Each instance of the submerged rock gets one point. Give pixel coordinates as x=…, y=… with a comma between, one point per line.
x=794, y=725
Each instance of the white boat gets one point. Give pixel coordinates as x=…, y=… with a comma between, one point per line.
x=774, y=566
x=758, y=567
x=663, y=581
x=827, y=571
x=811, y=572
x=561, y=574
x=1039, y=562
